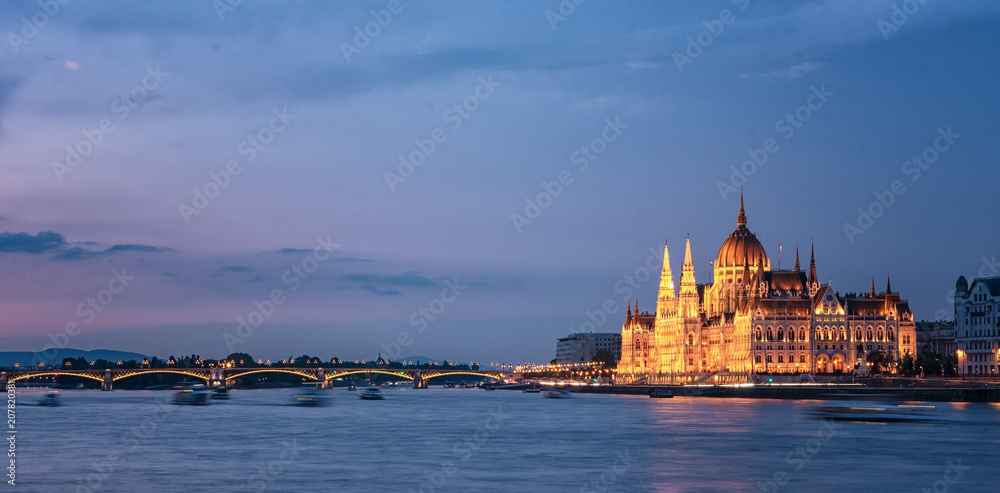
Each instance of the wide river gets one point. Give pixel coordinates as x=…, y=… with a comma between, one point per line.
x=471, y=440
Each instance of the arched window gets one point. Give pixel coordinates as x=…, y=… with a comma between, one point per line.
x=802, y=334
x=770, y=334
x=819, y=335
x=891, y=338
x=781, y=358
x=843, y=334
x=757, y=358
x=880, y=334
x=690, y=339
x=781, y=335
x=791, y=335
x=760, y=337
x=769, y=360
x=857, y=335
x=828, y=336
x=802, y=358
x=868, y=333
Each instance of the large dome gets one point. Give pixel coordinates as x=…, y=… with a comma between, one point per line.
x=742, y=246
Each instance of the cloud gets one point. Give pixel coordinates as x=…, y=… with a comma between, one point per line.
x=409, y=279
x=371, y=288
x=308, y=251
x=235, y=268
x=793, y=72
x=78, y=253
x=260, y=278
x=300, y=251
x=28, y=243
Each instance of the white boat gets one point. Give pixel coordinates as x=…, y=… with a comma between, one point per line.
x=873, y=412
x=555, y=393
x=195, y=395
x=370, y=394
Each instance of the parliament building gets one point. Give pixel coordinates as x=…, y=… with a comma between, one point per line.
x=755, y=320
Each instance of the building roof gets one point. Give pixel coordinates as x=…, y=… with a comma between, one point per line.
x=742, y=247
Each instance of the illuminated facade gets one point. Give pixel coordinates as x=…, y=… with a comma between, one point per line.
x=753, y=319
x=977, y=326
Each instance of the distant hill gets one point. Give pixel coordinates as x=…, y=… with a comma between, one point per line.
x=55, y=356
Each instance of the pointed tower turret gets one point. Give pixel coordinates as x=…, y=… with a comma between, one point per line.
x=666, y=304
x=797, y=258
x=689, y=285
x=873, y=293
x=628, y=315
x=888, y=285
x=741, y=220
x=813, y=280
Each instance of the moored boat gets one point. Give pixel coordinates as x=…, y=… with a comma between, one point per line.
x=555, y=393
x=661, y=393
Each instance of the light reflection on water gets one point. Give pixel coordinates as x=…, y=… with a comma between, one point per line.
x=472, y=440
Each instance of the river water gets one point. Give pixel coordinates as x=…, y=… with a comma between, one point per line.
x=471, y=440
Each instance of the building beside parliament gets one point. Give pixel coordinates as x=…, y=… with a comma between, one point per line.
x=752, y=319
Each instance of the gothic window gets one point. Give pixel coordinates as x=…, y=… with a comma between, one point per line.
x=769, y=359
x=869, y=334
x=891, y=335
x=843, y=335
x=770, y=334
x=828, y=336
x=819, y=335
x=857, y=335
x=759, y=336
x=690, y=339
x=791, y=335
x=757, y=358
x=802, y=358
x=781, y=335
x=880, y=333
x=802, y=334
x=781, y=358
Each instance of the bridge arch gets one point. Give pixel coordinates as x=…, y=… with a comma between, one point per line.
x=474, y=373
x=301, y=373
x=399, y=374
x=14, y=378
x=123, y=374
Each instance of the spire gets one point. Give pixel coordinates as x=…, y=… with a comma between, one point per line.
x=888, y=285
x=637, y=307
x=741, y=220
x=665, y=304
x=689, y=285
x=813, y=281
x=796, y=258
x=628, y=316
x=873, y=287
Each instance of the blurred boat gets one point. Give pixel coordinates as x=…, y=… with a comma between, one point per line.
x=555, y=393
x=220, y=393
x=370, y=394
x=49, y=399
x=351, y=388
x=194, y=395
x=309, y=397
x=661, y=394
x=449, y=385
x=874, y=412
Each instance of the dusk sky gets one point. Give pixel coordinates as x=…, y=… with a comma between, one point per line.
x=113, y=114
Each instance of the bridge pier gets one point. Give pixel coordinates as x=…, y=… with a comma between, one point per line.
x=217, y=377
x=418, y=381
x=108, y=381
x=321, y=379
